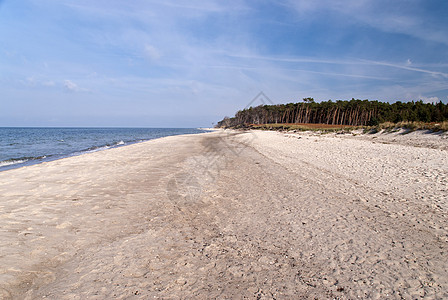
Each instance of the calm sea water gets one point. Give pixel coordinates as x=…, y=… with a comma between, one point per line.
x=25, y=146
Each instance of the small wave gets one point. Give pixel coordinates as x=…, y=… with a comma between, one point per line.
x=101, y=148
x=10, y=162
x=15, y=161
x=93, y=149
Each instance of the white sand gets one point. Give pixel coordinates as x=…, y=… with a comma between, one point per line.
x=260, y=215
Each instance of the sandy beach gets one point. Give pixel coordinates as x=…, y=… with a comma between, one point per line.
x=226, y=214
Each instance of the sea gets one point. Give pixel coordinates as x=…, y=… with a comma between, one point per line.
x=27, y=146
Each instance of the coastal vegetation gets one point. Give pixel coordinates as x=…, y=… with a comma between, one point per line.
x=341, y=114
x=386, y=126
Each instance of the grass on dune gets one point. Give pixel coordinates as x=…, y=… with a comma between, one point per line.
x=439, y=126
x=386, y=126
x=303, y=127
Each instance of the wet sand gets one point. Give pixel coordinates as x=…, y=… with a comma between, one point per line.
x=260, y=215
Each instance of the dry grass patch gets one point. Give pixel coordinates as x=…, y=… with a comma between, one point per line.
x=412, y=126
x=325, y=128
x=304, y=127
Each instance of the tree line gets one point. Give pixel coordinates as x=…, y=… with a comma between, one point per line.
x=341, y=112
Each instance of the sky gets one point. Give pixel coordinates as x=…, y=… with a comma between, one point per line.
x=153, y=63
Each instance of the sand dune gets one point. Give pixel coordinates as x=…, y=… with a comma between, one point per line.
x=230, y=215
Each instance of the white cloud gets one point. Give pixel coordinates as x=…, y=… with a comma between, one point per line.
x=31, y=81
x=72, y=87
x=38, y=82
x=231, y=63
x=429, y=99
x=151, y=52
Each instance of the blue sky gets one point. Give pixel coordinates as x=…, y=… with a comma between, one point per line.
x=170, y=63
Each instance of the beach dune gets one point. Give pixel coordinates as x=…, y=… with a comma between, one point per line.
x=229, y=215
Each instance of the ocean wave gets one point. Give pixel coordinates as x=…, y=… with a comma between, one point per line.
x=100, y=148
x=15, y=161
x=10, y=162
x=92, y=149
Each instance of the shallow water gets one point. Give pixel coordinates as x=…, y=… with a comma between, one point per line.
x=25, y=146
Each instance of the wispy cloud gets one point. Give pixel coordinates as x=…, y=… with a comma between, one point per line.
x=205, y=6
x=429, y=99
x=310, y=60
x=398, y=16
x=408, y=67
x=152, y=53
x=72, y=87
x=347, y=62
x=211, y=57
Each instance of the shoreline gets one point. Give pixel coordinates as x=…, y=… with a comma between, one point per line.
x=14, y=163
x=229, y=214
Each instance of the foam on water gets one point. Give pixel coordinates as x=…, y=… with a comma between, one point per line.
x=11, y=162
